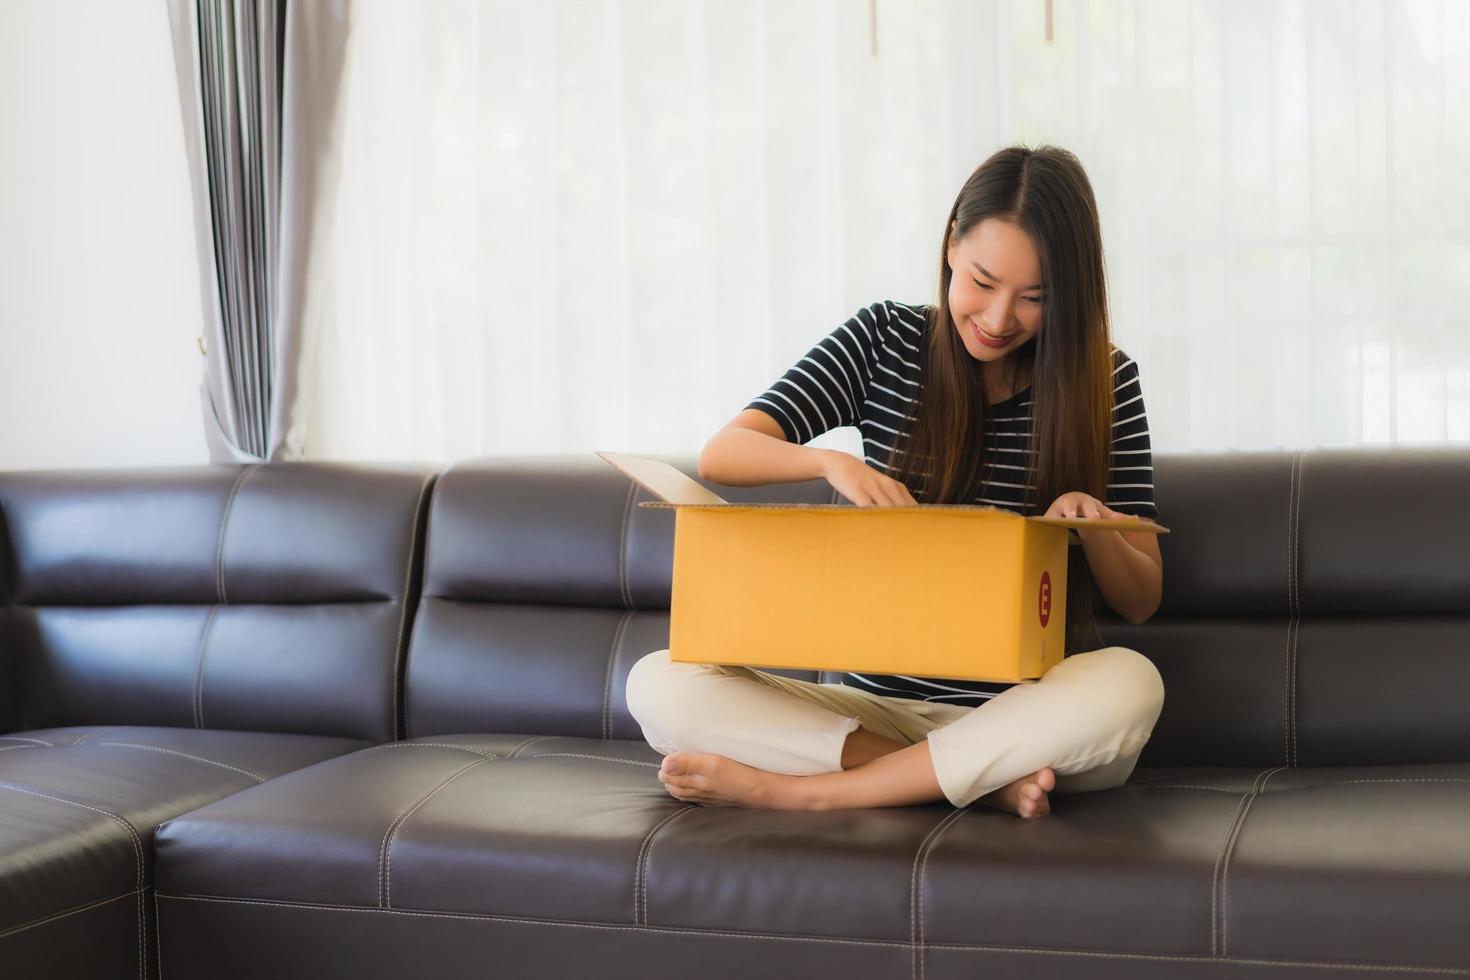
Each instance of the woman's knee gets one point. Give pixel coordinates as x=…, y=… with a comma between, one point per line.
x=1140, y=685
x=645, y=688
x=1146, y=681
x=659, y=692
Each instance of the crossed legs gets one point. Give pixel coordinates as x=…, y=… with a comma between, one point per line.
x=733, y=736
x=876, y=772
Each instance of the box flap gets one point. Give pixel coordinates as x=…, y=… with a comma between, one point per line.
x=674, y=490
x=662, y=480
x=977, y=510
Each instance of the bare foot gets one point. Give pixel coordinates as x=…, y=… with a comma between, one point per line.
x=715, y=780
x=1026, y=797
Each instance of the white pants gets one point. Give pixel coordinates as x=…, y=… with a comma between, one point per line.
x=1087, y=718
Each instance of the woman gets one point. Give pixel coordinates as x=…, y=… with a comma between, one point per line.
x=1006, y=392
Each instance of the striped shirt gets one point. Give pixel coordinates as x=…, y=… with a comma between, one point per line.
x=866, y=374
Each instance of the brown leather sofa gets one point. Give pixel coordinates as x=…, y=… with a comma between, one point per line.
x=305, y=720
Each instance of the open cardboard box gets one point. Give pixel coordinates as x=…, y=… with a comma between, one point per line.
x=959, y=591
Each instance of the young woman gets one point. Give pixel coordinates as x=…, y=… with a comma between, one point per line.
x=1007, y=392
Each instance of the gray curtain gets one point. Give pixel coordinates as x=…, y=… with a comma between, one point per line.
x=258, y=87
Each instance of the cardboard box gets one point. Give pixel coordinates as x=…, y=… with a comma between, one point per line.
x=967, y=592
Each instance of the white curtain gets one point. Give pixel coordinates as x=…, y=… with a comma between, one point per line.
x=258, y=87
x=571, y=225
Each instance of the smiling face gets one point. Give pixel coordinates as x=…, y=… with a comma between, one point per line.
x=995, y=291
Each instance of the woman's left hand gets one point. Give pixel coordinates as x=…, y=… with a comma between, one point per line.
x=1079, y=504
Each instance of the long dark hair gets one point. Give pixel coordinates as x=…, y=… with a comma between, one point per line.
x=1045, y=192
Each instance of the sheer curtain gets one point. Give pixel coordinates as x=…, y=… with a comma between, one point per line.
x=574, y=225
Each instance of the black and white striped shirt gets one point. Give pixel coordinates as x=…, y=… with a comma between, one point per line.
x=866, y=374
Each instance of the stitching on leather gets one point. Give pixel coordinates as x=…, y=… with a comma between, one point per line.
x=640, y=867
x=1234, y=835
x=137, y=854
x=157, y=933
x=1215, y=875
x=401, y=645
x=623, y=583
x=1293, y=630
x=512, y=754
x=424, y=566
x=436, y=745
x=18, y=738
x=186, y=755
x=599, y=758
x=1291, y=606
x=1292, y=760
x=529, y=742
x=1327, y=782
x=12, y=748
x=1405, y=779
x=47, y=919
x=1290, y=600
x=385, y=852
x=880, y=943
x=1290, y=530
x=1225, y=876
x=199, y=670
x=916, y=890
x=1220, y=860
x=224, y=523
x=612, y=656
x=83, y=737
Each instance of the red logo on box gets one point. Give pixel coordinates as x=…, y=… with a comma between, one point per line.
x=1043, y=599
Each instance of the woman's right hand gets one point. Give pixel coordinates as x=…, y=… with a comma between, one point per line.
x=863, y=485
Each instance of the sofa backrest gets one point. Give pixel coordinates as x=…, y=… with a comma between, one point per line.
x=270, y=597
x=9, y=689
x=1316, y=604
x=1316, y=608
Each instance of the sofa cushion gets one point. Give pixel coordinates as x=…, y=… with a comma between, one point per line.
x=78, y=807
x=581, y=830
x=1370, y=864
x=340, y=832
x=1190, y=861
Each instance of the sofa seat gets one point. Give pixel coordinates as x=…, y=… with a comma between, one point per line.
x=77, y=811
x=492, y=841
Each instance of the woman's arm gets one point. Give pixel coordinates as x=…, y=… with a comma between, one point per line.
x=752, y=451
x=1128, y=569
